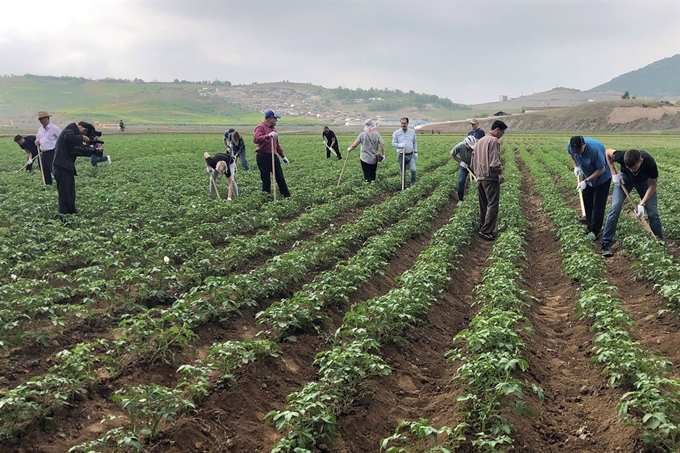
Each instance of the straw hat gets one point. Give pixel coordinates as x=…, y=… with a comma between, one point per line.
x=43, y=114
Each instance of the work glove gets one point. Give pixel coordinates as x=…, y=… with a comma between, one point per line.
x=463, y=165
x=639, y=211
x=207, y=170
x=273, y=134
x=29, y=161
x=577, y=171
x=349, y=148
x=415, y=155
x=582, y=185
x=401, y=145
x=286, y=161
x=617, y=179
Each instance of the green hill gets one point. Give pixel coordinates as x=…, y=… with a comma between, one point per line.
x=659, y=80
x=206, y=103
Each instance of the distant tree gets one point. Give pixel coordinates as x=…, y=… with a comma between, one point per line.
x=175, y=81
x=626, y=95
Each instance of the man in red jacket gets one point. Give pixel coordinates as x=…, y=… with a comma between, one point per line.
x=266, y=138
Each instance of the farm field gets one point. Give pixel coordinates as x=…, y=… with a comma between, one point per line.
x=347, y=318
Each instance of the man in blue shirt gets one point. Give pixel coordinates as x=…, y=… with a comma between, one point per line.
x=588, y=156
x=404, y=139
x=476, y=131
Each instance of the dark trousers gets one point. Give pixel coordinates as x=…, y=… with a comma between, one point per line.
x=334, y=148
x=66, y=188
x=264, y=163
x=46, y=158
x=489, y=195
x=595, y=201
x=369, y=171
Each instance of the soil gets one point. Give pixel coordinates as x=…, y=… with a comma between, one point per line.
x=578, y=414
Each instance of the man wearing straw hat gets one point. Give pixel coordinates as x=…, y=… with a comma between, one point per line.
x=46, y=140
x=266, y=141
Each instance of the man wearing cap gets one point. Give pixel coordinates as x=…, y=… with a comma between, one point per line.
x=266, y=140
x=486, y=163
x=588, y=156
x=27, y=143
x=462, y=153
x=639, y=172
x=476, y=132
x=46, y=141
x=404, y=140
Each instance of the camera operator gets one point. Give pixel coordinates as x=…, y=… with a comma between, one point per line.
x=73, y=141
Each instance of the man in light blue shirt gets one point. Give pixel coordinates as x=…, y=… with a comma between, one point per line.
x=404, y=140
x=589, y=159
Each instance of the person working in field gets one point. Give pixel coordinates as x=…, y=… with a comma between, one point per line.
x=221, y=164
x=266, y=141
x=639, y=172
x=476, y=131
x=238, y=148
x=28, y=145
x=588, y=156
x=46, y=141
x=331, y=142
x=73, y=141
x=121, y=126
x=487, y=166
x=462, y=153
x=404, y=140
x=370, y=141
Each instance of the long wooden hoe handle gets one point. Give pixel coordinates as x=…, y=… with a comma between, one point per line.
x=214, y=183
x=642, y=217
x=330, y=149
x=273, y=183
x=580, y=198
x=42, y=172
x=343, y=168
x=403, y=168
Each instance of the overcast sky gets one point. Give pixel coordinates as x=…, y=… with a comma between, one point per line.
x=468, y=51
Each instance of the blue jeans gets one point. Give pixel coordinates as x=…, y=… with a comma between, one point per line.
x=462, y=179
x=94, y=160
x=244, y=163
x=618, y=200
x=410, y=162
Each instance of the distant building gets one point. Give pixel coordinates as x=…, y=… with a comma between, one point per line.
x=503, y=97
x=501, y=113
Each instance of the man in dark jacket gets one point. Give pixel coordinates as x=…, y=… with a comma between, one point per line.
x=70, y=144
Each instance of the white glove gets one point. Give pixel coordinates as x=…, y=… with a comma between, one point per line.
x=582, y=185
x=415, y=155
x=384, y=157
x=401, y=145
x=463, y=165
x=207, y=169
x=616, y=178
x=286, y=161
x=349, y=148
x=29, y=161
x=273, y=134
x=639, y=211
x=577, y=171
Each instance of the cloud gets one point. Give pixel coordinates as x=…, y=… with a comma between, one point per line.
x=468, y=51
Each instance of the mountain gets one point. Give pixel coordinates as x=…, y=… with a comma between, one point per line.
x=658, y=80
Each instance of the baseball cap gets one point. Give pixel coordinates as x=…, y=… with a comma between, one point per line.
x=270, y=114
x=576, y=142
x=474, y=121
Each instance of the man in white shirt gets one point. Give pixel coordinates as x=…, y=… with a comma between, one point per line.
x=46, y=140
x=404, y=139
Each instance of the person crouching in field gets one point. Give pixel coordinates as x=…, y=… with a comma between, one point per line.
x=370, y=141
x=74, y=140
x=221, y=164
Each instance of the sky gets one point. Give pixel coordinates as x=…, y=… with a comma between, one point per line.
x=468, y=51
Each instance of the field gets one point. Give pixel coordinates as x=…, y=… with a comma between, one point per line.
x=348, y=318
